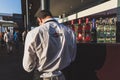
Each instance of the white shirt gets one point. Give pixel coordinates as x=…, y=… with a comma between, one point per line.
x=49, y=47
x=7, y=36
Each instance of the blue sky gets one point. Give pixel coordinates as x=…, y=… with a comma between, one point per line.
x=10, y=6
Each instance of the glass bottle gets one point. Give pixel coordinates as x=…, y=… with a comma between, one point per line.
x=93, y=31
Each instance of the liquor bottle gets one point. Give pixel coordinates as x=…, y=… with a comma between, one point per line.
x=113, y=30
x=100, y=31
x=108, y=33
x=93, y=32
x=107, y=30
x=80, y=28
x=87, y=31
x=72, y=25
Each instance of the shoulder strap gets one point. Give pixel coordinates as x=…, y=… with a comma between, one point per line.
x=51, y=21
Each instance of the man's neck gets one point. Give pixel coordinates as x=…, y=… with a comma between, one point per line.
x=47, y=18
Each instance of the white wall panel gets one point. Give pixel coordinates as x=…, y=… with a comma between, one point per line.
x=99, y=8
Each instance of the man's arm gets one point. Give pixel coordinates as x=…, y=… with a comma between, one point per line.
x=29, y=58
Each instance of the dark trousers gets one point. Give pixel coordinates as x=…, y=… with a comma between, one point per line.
x=9, y=47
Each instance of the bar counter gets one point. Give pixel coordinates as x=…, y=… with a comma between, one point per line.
x=95, y=61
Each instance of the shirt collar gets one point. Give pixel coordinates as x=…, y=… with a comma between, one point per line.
x=49, y=19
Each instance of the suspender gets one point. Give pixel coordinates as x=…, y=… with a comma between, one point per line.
x=55, y=34
x=51, y=21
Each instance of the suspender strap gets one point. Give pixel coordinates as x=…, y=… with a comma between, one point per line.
x=51, y=21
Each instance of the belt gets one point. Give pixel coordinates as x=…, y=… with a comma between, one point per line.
x=54, y=74
x=49, y=78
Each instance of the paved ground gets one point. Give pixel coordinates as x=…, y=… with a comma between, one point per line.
x=84, y=67
x=11, y=65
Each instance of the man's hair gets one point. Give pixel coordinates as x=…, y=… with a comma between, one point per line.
x=44, y=13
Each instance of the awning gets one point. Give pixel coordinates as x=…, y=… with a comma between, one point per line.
x=7, y=23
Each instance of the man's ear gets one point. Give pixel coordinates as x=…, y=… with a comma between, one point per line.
x=39, y=21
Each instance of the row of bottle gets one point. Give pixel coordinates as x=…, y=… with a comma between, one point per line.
x=106, y=33
x=100, y=31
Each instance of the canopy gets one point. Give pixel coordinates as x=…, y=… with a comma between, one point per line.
x=7, y=23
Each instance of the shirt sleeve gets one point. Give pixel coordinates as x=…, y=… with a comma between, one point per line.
x=74, y=45
x=29, y=58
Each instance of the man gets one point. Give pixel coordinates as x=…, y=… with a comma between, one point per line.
x=24, y=36
x=16, y=39
x=49, y=48
x=7, y=39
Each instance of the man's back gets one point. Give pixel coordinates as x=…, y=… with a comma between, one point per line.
x=55, y=46
x=59, y=43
